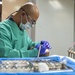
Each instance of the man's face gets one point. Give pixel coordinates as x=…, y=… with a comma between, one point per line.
x=29, y=18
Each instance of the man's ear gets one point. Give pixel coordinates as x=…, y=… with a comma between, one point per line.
x=23, y=14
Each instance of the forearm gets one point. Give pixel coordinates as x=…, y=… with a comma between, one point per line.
x=9, y=53
x=14, y=53
x=29, y=53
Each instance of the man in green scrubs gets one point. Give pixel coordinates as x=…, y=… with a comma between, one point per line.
x=14, y=40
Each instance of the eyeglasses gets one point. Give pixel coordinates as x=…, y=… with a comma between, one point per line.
x=32, y=21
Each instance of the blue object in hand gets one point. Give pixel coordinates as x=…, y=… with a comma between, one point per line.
x=45, y=43
x=43, y=48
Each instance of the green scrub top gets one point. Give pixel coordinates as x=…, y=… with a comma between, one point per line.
x=15, y=43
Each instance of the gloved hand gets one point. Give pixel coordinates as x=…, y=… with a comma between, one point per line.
x=44, y=45
x=43, y=48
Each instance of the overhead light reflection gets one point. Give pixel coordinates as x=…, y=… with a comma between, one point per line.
x=56, y=4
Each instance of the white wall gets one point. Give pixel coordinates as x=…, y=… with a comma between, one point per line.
x=56, y=25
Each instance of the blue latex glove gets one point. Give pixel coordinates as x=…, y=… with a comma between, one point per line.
x=45, y=43
x=43, y=48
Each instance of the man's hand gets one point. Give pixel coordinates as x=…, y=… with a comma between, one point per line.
x=46, y=43
x=46, y=54
x=45, y=46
